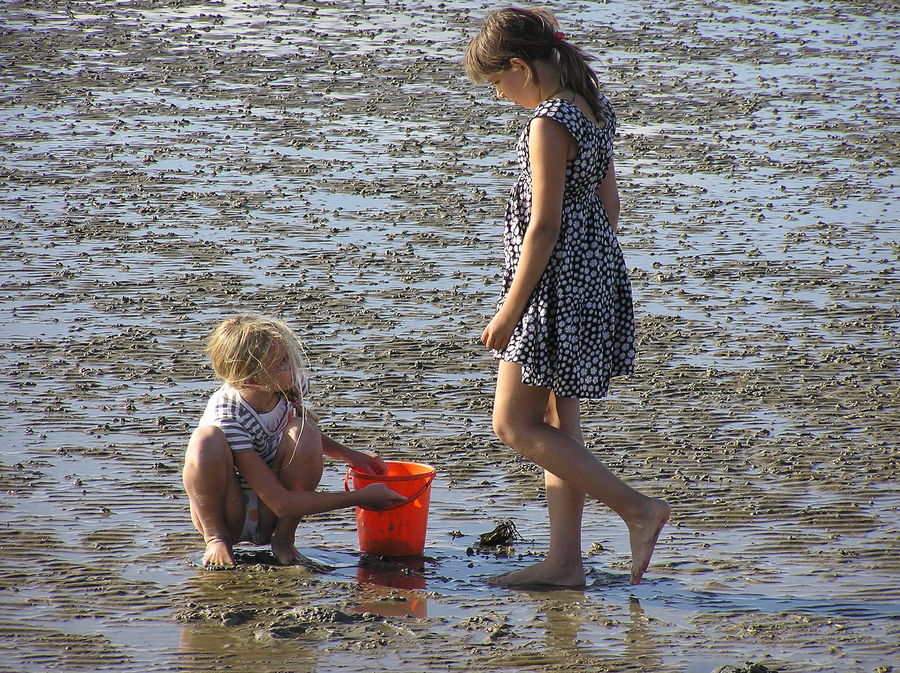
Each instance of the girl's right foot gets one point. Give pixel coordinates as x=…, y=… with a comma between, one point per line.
x=218, y=554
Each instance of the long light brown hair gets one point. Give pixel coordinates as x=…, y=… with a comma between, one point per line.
x=239, y=347
x=531, y=35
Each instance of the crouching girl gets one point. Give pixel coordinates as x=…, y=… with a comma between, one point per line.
x=255, y=460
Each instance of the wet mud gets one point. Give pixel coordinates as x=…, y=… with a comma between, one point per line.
x=166, y=163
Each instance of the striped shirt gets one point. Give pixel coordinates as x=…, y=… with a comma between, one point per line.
x=245, y=428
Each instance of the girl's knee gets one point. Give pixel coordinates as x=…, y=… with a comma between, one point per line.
x=207, y=446
x=300, y=458
x=300, y=455
x=302, y=439
x=507, y=429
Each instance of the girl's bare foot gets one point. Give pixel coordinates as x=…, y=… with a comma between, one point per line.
x=545, y=573
x=285, y=551
x=643, y=535
x=218, y=554
x=287, y=555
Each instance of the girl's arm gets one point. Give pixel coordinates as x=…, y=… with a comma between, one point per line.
x=608, y=192
x=549, y=147
x=358, y=460
x=286, y=503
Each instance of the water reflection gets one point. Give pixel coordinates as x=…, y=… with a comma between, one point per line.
x=640, y=645
x=392, y=587
x=569, y=612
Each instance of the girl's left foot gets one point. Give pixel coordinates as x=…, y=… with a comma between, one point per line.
x=285, y=551
x=644, y=534
x=287, y=555
x=542, y=574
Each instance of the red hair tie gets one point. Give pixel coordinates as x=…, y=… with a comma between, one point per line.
x=560, y=36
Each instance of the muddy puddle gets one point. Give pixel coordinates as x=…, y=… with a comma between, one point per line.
x=163, y=164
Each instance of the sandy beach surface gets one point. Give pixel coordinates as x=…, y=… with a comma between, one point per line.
x=167, y=163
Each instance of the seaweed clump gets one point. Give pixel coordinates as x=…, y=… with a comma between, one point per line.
x=499, y=540
x=749, y=668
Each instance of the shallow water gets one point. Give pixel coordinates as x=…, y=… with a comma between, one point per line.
x=167, y=163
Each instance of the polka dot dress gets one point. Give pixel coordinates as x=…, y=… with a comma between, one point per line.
x=577, y=331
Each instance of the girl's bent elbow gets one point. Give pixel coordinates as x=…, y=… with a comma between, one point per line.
x=548, y=227
x=545, y=233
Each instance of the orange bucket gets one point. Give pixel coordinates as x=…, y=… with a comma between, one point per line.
x=400, y=529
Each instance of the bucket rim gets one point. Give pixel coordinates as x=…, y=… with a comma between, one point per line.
x=426, y=472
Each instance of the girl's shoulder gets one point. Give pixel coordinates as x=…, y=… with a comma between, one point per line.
x=227, y=392
x=226, y=401
x=568, y=114
x=551, y=107
x=559, y=110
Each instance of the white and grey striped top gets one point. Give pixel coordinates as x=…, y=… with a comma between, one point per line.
x=245, y=428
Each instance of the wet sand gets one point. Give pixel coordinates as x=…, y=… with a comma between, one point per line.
x=163, y=164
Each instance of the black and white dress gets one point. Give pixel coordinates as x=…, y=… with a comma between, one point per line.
x=577, y=331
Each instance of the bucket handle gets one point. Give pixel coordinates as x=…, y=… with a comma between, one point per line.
x=396, y=504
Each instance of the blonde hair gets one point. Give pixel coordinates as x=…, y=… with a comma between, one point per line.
x=239, y=348
x=531, y=35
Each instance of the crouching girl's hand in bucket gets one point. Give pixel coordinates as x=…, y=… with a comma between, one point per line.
x=377, y=496
x=366, y=463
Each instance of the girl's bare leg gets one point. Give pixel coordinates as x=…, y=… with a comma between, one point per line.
x=563, y=565
x=564, y=502
x=217, y=506
x=519, y=421
x=299, y=466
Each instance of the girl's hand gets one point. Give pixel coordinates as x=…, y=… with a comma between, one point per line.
x=377, y=496
x=366, y=463
x=499, y=331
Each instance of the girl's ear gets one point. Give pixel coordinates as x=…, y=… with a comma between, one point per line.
x=518, y=63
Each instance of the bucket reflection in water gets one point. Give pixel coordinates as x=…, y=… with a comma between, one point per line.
x=390, y=588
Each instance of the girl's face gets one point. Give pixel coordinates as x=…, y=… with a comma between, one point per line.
x=515, y=85
x=279, y=374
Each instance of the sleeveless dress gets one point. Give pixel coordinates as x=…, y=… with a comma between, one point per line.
x=577, y=331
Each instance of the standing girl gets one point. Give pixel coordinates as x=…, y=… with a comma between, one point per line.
x=564, y=326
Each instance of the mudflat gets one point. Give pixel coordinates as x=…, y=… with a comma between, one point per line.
x=164, y=164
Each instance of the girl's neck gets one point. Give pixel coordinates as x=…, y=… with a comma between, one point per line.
x=262, y=400
x=556, y=93
x=549, y=77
